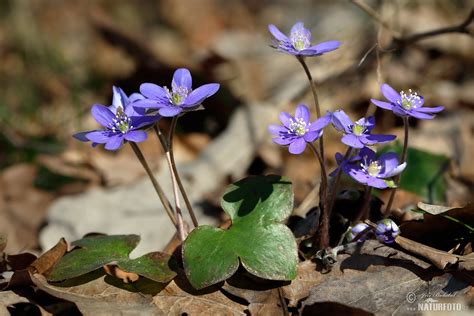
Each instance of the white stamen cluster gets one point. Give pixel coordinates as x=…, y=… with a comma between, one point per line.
x=358, y=129
x=300, y=40
x=372, y=169
x=178, y=95
x=409, y=100
x=121, y=123
x=299, y=127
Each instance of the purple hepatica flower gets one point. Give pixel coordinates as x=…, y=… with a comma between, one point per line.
x=373, y=171
x=120, y=120
x=357, y=135
x=180, y=98
x=298, y=130
x=386, y=231
x=299, y=42
x=403, y=104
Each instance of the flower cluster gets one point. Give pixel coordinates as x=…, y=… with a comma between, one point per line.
x=360, y=162
x=128, y=116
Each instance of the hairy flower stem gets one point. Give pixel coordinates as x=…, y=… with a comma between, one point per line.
x=179, y=214
x=364, y=210
x=168, y=147
x=322, y=237
x=161, y=194
x=315, y=97
x=335, y=186
x=403, y=159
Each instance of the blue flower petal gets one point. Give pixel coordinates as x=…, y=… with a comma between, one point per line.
x=320, y=123
x=434, y=109
x=312, y=136
x=119, y=99
x=282, y=140
x=114, y=142
x=198, y=95
x=153, y=91
x=388, y=161
x=277, y=34
x=341, y=121
x=302, y=112
x=170, y=111
x=297, y=146
x=102, y=114
x=352, y=141
x=99, y=137
x=420, y=115
x=277, y=129
x=379, y=138
x=81, y=136
x=389, y=93
x=323, y=47
x=135, y=97
x=182, y=78
x=382, y=104
x=135, y=136
x=286, y=119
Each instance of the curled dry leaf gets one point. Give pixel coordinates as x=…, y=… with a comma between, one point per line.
x=44, y=264
x=434, y=209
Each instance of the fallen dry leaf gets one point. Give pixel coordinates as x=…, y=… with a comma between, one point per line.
x=97, y=296
x=44, y=264
x=379, y=284
x=173, y=300
x=94, y=293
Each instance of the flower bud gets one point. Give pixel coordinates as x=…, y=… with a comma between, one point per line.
x=356, y=230
x=386, y=231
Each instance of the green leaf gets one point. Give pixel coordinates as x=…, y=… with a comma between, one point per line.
x=265, y=247
x=424, y=174
x=153, y=265
x=96, y=251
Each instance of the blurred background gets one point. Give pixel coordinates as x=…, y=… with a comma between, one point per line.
x=58, y=58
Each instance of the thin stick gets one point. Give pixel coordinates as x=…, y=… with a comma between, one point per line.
x=315, y=97
x=374, y=15
x=322, y=238
x=462, y=28
x=399, y=41
x=168, y=147
x=335, y=187
x=403, y=159
x=161, y=194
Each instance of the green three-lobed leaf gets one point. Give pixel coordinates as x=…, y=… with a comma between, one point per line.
x=96, y=251
x=257, y=239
